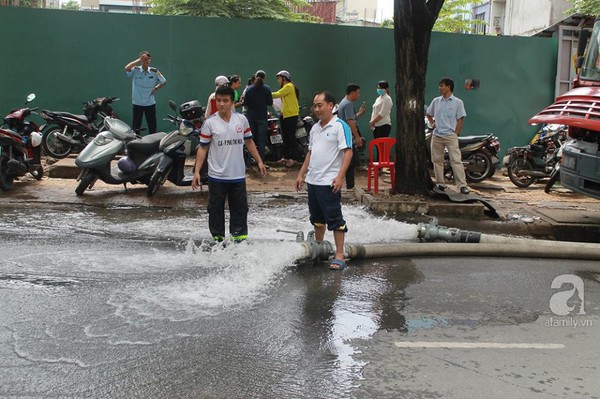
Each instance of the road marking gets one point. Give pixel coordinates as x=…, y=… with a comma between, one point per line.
x=476, y=345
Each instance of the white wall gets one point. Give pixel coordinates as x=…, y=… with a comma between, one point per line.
x=527, y=17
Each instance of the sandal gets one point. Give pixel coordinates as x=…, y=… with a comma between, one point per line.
x=337, y=264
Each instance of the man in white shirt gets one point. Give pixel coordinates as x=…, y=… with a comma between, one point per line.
x=329, y=155
x=226, y=132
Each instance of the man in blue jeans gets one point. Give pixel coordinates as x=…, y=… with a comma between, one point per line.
x=329, y=155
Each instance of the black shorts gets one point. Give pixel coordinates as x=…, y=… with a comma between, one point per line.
x=325, y=207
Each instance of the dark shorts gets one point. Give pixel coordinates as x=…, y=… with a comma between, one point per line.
x=325, y=207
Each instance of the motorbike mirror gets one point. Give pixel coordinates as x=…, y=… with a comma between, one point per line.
x=30, y=98
x=186, y=127
x=173, y=105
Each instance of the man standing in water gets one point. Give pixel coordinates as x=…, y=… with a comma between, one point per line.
x=329, y=155
x=226, y=132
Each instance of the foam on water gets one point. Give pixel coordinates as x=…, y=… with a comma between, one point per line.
x=233, y=278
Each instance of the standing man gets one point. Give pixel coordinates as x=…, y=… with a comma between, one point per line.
x=329, y=155
x=257, y=98
x=145, y=81
x=347, y=114
x=226, y=132
x=446, y=114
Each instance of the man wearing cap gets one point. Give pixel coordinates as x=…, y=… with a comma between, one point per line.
x=257, y=98
x=211, y=104
x=145, y=81
x=289, y=95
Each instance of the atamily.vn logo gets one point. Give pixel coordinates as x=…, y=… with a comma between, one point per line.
x=565, y=301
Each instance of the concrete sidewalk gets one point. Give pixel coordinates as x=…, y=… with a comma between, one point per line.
x=560, y=215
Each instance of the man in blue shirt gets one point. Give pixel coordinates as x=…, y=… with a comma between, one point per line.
x=446, y=114
x=145, y=81
x=346, y=113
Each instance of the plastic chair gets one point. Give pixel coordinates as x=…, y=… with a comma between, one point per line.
x=384, y=150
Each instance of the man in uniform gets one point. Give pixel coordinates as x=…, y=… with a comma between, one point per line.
x=145, y=81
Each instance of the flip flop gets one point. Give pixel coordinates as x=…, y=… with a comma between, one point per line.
x=337, y=264
x=282, y=161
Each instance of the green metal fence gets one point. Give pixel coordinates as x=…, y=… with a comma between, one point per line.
x=67, y=57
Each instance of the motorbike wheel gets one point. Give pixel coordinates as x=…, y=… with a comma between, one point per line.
x=156, y=181
x=553, y=179
x=52, y=145
x=492, y=172
x=6, y=180
x=38, y=172
x=85, y=182
x=478, y=167
x=514, y=167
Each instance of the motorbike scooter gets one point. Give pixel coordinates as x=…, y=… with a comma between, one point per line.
x=20, y=150
x=95, y=161
x=172, y=147
x=479, y=155
x=65, y=133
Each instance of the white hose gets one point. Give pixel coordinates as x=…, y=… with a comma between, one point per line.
x=524, y=249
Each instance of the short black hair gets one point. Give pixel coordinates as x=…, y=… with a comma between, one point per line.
x=351, y=88
x=327, y=95
x=447, y=82
x=383, y=84
x=146, y=53
x=234, y=78
x=225, y=91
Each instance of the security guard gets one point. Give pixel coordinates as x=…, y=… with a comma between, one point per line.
x=145, y=82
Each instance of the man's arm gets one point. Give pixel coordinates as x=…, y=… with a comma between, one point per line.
x=254, y=152
x=200, y=157
x=133, y=63
x=354, y=129
x=459, y=125
x=302, y=172
x=338, y=182
x=162, y=82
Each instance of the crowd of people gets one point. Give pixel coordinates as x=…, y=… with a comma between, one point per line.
x=332, y=152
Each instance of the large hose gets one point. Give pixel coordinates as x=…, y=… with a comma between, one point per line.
x=461, y=243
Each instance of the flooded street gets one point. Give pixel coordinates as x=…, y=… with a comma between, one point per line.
x=130, y=303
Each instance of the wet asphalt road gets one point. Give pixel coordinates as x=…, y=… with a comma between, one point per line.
x=127, y=303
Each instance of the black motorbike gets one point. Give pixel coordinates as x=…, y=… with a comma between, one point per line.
x=172, y=163
x=65, y=133
x=479, y=156
x=533, y=162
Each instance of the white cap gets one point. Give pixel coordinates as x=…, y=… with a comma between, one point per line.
x=221, y=80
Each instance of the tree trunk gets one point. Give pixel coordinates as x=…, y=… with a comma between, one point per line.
x=413, y=22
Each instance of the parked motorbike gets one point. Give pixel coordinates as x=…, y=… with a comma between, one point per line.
x=533, y=162
x=20, y=151
x=479, y=155
x=66, y=133
x=95, y=160
x=172, y=147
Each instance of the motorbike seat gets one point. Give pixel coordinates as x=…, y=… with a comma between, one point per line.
x=81, y=118
x=538, y=148
x=147, y=145
x=11, y=133
x=472, y=139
